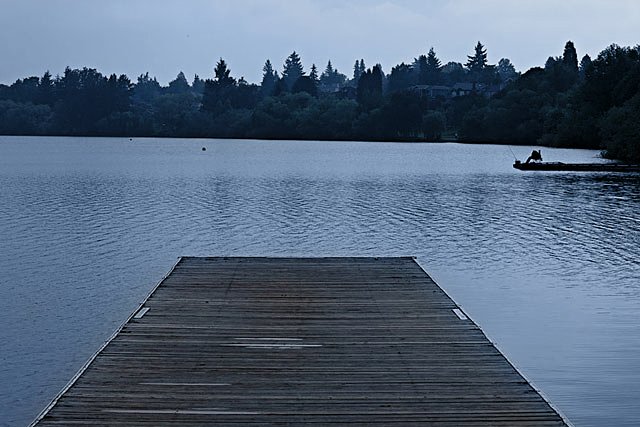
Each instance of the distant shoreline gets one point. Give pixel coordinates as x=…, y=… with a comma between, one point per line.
x=390, y=140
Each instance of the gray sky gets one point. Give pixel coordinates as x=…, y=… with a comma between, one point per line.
x=165, y=37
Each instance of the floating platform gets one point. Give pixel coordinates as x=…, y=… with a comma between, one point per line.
x=299, y=341
x=576, y=167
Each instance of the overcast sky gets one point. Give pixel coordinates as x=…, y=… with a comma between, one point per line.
x=164, y=37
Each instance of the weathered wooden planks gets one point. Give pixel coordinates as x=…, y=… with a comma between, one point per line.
x=291, y=341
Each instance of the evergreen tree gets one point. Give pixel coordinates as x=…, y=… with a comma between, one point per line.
x=570, y=56
x=356, y=71
x=86, y=96
x=331, y=79
x=116, y=95
x=305, y=84
x=585, y=66
x=401, y=77
x=430, y=68
x=506, y=70
x=328, y=71
x=146, y=89
x=179, y=84
x=369, y=91
x=25, y=90
x=551, y=62
x=453, y=72
x=314, y=74
x=433, y=63
x=223, y=74
x=478, y=60
x=269, y=79
x=267, y=70
x=280, y=87
x=420, y=65
x=218, y=93
x=46, y=90
x=198, y=84
x=293, y=70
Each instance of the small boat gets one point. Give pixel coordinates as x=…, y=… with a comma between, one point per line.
x=576, y=167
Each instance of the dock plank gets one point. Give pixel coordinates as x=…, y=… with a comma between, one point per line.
x=299, y=341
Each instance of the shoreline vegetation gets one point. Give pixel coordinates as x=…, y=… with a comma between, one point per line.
x=592, y=104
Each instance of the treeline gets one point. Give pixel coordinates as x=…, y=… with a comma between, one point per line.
x=591, y=104
x=568, y=103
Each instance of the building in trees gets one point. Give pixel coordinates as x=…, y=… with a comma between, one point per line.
x=506, y=70
x=331, y=80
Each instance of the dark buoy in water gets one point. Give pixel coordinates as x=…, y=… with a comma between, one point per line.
x=204, y=148
x=130, y=139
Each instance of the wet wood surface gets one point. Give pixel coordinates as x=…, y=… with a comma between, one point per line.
x=299, y=341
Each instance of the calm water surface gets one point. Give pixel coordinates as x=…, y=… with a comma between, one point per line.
x=548, y=264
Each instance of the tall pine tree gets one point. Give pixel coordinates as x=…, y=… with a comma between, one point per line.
x=433, y=63
x=218, y=92
x=420, y=66
x=293, y=70
x=570, y=56
x=356, y=71
x=478, y=60
x=269, y=79
x=223, y=74
x=314, y=74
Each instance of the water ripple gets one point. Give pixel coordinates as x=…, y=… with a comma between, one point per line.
x=90, y=227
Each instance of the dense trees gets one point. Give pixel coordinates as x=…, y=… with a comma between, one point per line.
x=591, y=103
x=369, y=91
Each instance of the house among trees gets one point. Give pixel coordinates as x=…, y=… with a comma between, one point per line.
x=432, y=91
x=457, y=90
x=462, y=89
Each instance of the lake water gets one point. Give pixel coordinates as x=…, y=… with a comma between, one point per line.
x=548, y=264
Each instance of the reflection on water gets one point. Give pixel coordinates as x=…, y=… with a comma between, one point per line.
x=546, y=263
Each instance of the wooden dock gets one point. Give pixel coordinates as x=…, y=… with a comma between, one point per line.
x=297, y=341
